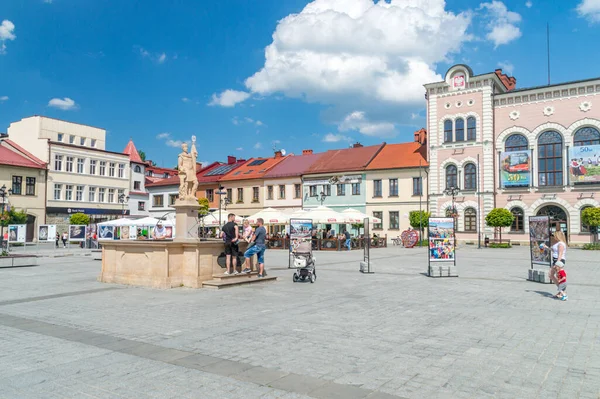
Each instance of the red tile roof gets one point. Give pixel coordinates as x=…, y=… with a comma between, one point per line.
x=130, y=150
x=403, y=155
x=254, y=168
x=169, y=181
x=13, y=155
x=214, y=172
x=295, y=165
x=345, y=160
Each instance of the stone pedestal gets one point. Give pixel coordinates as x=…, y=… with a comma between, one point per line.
x=186, y=220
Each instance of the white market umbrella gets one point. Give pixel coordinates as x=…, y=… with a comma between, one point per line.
x=118, y=222
x=149, y=221
x=270, y=216
x=356, y=216
x=325, y=215
x=212, y=219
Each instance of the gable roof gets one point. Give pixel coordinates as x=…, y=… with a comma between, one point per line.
x=403, y=155
x=133, y=153
x=12, y=154
x=345, y=160
x=294, y=165
x=254, y=168
x=214, y=172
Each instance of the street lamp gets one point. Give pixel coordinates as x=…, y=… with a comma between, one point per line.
x=453, y=192
x=221, y=193
x=322, y=197
x=122, y=199
x=3, y=194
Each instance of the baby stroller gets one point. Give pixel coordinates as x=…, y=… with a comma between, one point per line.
x=305, y=267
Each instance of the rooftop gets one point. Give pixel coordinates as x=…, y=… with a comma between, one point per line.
x=345, y=160
x=58, y=143
x=130, y=150
x=295, y=165
x=214, y=172
x=12, y=154
x=403, y=155
x=255, y=168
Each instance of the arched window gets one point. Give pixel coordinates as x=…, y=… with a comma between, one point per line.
x=517, y=224
x=451, y=176
x=447, y=131
x=550, y=159
x=471, y=128
x=137, y=169
x=586, y=136
x=516, y=142
x=584, y=227
x=470, y=219
x=460, y=129
x=470, y=177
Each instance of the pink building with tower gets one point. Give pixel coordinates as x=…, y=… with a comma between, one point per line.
x=533, y=151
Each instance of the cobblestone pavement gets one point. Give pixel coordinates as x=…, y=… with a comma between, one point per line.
x=397, y=333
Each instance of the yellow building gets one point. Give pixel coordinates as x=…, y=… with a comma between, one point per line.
x=25, y=176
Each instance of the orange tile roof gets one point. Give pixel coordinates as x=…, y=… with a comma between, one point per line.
x=130, y=150
x=254, y=168
x=20, y=157
x=345, y=160
x=403, y=155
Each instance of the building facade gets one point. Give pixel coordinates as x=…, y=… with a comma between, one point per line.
x=396, y=184
x=512, y=148
x=82, y=175
x=138, y=198
x=25, y=175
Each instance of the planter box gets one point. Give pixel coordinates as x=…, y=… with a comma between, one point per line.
x=18, y=261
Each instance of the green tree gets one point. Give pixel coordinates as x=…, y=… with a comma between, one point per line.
x=80, y=219
x=498, y=218
x=591, y=217
x=204, y=206
x=142, y=155
x=13, y=217
x=419, y=220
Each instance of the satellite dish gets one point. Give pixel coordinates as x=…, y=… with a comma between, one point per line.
x=283, y=152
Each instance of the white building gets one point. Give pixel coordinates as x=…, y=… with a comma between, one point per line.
x=162, y=197
x=138, y=195
x=82, y=175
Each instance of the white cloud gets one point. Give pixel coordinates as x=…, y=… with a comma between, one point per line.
x=589, y=9
x=3, y=98
x=235, y=120
x=162, y=58
x=259, y=123
x=162, y=136
x=185, y=100
x=240, y=149
x=507, y=67
x=339, y=52
x=159, y=58
x=249, y=120
x=173, y=143
x=66, y=104
x=7, y=32
x=48, y=1
x=358, y=121
x=257, y=146
x=229, y=98
x=414, y=116
x=502, y=26
x=528, y=4
x=335, y=138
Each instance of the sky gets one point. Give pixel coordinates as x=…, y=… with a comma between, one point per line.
x=249, y=77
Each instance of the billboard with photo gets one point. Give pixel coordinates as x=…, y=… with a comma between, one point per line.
x=47, y=232
x=301, y=236
x=106, y=232
x=515, y=169
x=584, y=164
x=77, y=232
x=441, y=240
x=539, y=240
x=17, y=232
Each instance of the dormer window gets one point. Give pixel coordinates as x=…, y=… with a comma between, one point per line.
x=71, y=139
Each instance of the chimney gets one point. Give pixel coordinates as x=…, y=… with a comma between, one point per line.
x=421, y=136
x=231, y=160
x=357, y=145
x=278, y=154
x=307, y=152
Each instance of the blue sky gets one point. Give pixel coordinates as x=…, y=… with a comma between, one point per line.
x=338, y=71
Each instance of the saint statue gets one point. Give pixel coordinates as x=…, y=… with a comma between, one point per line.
x=186, y=165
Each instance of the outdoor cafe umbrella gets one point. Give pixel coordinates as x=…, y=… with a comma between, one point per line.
x=356, y=216
x=325, y=215
x=212, y=219
x=270, y=216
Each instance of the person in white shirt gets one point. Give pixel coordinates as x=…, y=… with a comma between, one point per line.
x=160, y=233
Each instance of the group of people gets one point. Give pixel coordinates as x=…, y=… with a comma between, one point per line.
x=256, y=239
x=558, y=275
x=330, y=235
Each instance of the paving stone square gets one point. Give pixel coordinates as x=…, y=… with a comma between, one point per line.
x=488, y=333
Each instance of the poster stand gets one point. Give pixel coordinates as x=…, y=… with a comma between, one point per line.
x=441, y=253
x=539, y=249
x=365, y=265
x=300, y=239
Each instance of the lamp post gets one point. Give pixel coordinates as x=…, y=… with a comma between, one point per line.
x=3, y=194
x=453, y=192
x=220, y=193
x=122, y=199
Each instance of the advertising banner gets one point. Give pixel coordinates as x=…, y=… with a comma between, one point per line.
x=301, y=236
x=584, y=164
x=106, y=232
x=441, y=240
x=539, y=240
x=17, y=232
x=515, y=169
x=47, y=232
x=77, y=232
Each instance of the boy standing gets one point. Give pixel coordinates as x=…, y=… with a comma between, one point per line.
x=562, y=282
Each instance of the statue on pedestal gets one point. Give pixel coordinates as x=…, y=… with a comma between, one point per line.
x=186, y=165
